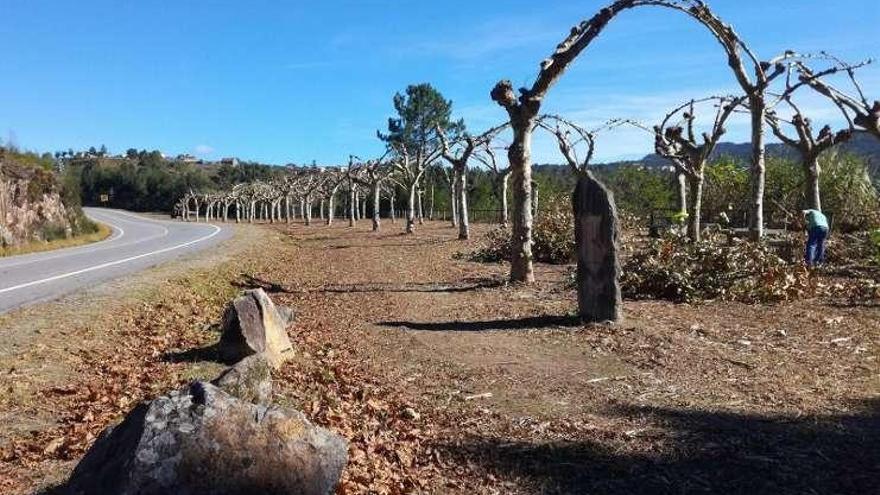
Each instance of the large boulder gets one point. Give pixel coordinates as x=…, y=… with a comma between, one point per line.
x=252, y=324
x=249, y=379
x=201, y=440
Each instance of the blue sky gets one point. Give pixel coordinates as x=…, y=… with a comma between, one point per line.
x=283, y=82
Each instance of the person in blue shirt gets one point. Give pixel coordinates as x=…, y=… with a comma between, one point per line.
x=817, y=232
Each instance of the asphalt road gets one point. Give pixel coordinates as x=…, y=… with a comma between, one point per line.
x=137, y=243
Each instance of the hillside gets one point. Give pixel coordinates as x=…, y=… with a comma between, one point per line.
x=33, y=203
x=863, y=145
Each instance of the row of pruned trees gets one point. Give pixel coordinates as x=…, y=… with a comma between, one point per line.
x=419, y=141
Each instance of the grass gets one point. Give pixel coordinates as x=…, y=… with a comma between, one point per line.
x=102, y=233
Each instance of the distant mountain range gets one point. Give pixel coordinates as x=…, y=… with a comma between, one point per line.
x=861, y=144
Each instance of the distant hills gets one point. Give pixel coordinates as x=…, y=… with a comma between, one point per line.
x=861, y=144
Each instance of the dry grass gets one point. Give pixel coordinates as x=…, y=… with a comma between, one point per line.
x=447, y=380
x=103, y=232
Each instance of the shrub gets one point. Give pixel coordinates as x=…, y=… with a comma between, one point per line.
x=553, y=234
x=679, y=271
x=552, y=237
x=52, y=232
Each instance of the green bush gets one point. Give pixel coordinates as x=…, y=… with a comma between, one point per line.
x=552, y=237
x=679, y=271
x=52, y=232
x=553, y=234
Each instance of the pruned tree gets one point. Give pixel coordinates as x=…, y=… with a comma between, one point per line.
x=335, y=177
x=449, y=176
x=458, y=154
x=373, y=174
x=676, y=138
x=487, y=155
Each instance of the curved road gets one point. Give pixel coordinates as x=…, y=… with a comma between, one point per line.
x=137, y=243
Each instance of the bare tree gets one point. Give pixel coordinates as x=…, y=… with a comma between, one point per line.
x=501, y=175
x=450, y=176
x=677, y=140
x=373, y=174
x=458, y=154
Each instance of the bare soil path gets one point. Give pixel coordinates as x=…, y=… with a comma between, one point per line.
x=447, y=380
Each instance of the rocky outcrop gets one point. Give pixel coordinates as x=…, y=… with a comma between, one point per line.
x=252, y=324
x=30, y=203
x=202, y=440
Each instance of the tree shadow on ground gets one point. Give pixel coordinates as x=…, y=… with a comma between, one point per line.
x=208, y=353
x=247, y=282
x=543, y=321
x=698, y=452
x=251, y=282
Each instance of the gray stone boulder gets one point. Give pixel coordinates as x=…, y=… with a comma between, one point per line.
x=249, y=379
x=252, y=324
x=201, y=440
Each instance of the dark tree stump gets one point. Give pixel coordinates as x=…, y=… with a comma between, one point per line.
x=598, y=269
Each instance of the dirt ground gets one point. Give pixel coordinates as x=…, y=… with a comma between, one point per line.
x=445, y=379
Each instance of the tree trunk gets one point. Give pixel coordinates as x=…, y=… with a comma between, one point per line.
x=696, y=207
x=812, y=172
x=453, y=199
x=534, y=200
x=308, y=211
x=411, y=210
x=393, y=211
x=376, y=197
x=520, y=157
x=421, y=209
x=321, y=210
x=352, y=208
x=758, y=109
x=682, y=191
x=505, y=212
x=331, y=208
x=461, y=189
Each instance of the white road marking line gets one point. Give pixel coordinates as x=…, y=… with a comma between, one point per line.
x=111, y=263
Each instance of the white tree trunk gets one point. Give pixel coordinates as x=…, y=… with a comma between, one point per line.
x=376, y=197
x=411, y=210
x=461, y=189
x=758, y=110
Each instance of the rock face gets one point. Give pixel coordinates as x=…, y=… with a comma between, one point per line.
x=201, y=440
x=29, y=203
x=249, y=379
x=596, y=236
x=253, y=325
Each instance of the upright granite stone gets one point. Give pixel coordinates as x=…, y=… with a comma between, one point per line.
x=202, y=441
x=253, y=325
x=596, y=236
